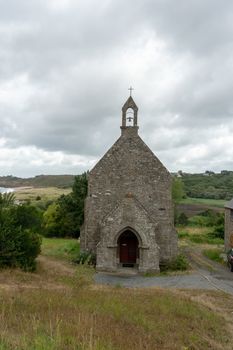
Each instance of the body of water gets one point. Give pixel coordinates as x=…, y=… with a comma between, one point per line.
x=6, y=190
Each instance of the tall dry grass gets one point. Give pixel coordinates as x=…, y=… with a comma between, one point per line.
x=60, y=308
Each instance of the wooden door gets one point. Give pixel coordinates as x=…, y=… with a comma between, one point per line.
x=128, y=247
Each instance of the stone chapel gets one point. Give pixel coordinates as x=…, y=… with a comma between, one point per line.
x=128, y=218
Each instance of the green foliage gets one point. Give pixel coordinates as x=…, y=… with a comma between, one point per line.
x=182, y=234
x=205, y=238
x=18, y=247
x=179, y=263
x=52, y=220
x=214, y=254
x=19, y=244
x=218, y=231
x=182, y=219
x=27, y=217
x=208, y=218
x=85, y=258
x=178, y=191
x=209, y=185
x=60, y=248
x=198, y=220
x=64, y=217
x=7, y=199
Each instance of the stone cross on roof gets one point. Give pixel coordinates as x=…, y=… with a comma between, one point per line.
x=130, y=89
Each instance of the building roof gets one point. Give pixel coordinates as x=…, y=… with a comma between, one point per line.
x=229, y=204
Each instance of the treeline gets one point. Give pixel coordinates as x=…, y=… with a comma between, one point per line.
x=208, y=185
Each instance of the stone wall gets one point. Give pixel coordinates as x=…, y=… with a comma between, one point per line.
x=129, y=167
x=131, y=215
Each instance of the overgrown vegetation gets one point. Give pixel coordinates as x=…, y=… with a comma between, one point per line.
x=19, y=241
x=180, y=263
x=85, y=258
x=212, y=222
x=214, y=254
x=67, y=313
x=65, y=216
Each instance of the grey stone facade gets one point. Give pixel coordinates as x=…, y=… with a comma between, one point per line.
x=228, y=236
x=128, y=209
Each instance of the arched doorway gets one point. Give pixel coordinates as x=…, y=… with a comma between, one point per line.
x=128, y=248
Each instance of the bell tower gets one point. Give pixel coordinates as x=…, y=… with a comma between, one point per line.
x=129, y=116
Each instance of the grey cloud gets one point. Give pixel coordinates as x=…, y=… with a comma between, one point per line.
x=80, y=60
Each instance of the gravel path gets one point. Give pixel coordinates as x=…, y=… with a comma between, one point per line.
x=217, y=278
x=197, y=280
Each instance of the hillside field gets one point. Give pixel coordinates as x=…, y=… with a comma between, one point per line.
x=44, y=193
x=60, y=307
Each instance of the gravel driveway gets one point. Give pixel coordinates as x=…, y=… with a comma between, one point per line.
x=217, y=278
x=198, y=280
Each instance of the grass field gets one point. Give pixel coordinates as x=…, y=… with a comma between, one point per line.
x=219, y=203
x=60, y=308
x=60, y=248
x=45, y=193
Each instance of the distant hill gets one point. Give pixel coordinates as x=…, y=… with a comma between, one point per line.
x=208, y=185
x=62, y=181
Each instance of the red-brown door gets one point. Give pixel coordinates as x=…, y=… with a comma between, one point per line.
x=128, y=245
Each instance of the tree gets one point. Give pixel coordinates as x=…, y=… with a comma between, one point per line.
x=65, y=216
x=177, y=190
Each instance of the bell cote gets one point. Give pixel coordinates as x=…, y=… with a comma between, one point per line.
x=129, y=117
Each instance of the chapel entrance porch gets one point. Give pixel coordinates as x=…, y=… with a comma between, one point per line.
x=128, y=250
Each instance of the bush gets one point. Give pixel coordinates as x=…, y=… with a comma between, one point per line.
x=182, y=219
x=18, y=247
x=85, y=258
x=207, y=218
x=218, y=232
x=179, y=263
x=198, y=220
x=19, y=244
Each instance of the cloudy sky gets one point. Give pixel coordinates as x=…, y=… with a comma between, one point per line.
x=65, y=69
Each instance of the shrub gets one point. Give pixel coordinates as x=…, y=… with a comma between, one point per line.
x=85, y=258
x=182, y=219
x=18, y=247
x=198, y=220
x=218, y=232
x=19, y=244
x=179, y=263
